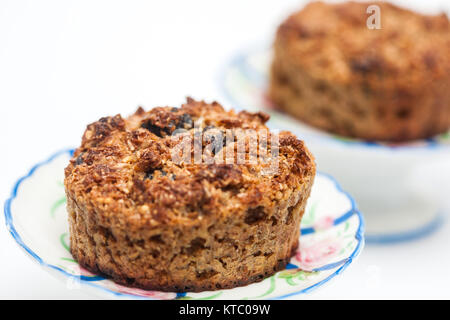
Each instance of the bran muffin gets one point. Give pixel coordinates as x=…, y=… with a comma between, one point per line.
x=390, y=84
x=145, y=220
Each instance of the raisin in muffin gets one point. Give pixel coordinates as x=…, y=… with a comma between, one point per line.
x=333, y=72
x=145, y=220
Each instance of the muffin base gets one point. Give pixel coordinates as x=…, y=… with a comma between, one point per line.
x=155, y=285
x=234, y=253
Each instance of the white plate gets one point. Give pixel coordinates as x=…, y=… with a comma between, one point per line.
x=332, y=237
x=402, y=189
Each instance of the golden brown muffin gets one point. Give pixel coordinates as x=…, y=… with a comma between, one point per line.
x=145, y=220
x=333, y=72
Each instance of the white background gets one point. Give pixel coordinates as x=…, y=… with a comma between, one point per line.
x=64, y=64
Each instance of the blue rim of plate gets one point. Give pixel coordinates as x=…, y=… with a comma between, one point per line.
x=359, y=236
x=239, y=61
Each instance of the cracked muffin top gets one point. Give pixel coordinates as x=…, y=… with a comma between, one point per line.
x=332, y=41
x=125, y=171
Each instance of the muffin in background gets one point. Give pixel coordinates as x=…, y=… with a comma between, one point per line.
x=390, y=84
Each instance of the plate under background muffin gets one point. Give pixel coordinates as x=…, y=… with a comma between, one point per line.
x=332, y=237
x=244, y=82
